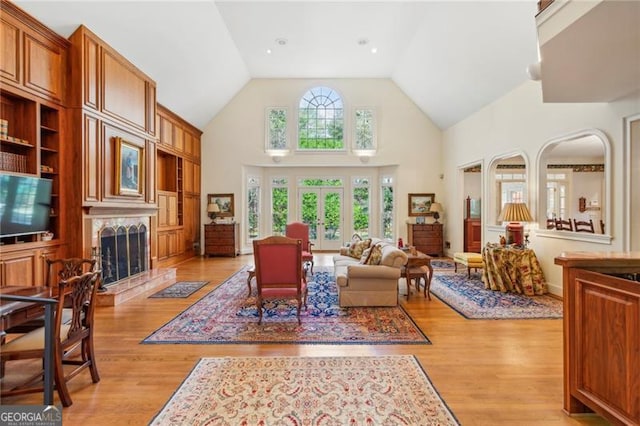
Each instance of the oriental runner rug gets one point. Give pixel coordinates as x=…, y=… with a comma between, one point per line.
x=314, y=391
x=471, y=300
x=181, y=289
x=229, y=315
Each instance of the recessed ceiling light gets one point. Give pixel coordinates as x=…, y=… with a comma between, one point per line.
x=268, y=51
x=281, y=41
x=374, y=50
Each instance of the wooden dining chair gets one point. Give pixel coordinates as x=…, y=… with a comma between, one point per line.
x=278, y=272
x=551, y=224
x=56, y=270
x=601, y=226
x=300, y=231
x=564, y=225
x=583, y=226
x=73, y=341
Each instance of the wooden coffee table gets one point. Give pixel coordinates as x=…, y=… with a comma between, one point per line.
x=418, y=267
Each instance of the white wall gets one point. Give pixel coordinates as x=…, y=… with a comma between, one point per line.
x=521, y=121
x=408, y=142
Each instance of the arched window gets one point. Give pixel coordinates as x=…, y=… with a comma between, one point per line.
x=321, y=120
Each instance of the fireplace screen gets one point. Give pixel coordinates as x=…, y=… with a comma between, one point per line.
x=122, y=252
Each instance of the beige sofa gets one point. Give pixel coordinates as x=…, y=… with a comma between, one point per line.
x=369, y=285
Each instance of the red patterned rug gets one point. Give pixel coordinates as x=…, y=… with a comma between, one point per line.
x=228, y=315
x=376, y=390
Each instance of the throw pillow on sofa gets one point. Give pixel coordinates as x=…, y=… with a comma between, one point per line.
x=356, y=248
x=365, y=256
x=375, y=255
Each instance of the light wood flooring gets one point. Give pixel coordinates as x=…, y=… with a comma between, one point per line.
x=489, y=372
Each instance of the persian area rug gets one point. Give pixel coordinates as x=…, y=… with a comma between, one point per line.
x=180, y=289
x=470, y=299
x=229, y=315
x=442, y=264
x=376, y=390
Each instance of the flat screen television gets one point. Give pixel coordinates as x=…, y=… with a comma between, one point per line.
x=25, y=204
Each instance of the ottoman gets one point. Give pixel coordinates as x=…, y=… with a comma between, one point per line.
x=470, y=260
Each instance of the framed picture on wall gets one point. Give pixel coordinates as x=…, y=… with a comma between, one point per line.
x=224, y=202
x=129, y=168
x=419, y=204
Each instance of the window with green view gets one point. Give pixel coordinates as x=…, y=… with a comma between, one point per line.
x=321, y=120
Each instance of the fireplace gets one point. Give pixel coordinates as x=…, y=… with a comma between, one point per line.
x=121, y=246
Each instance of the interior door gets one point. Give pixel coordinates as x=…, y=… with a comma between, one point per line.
x=322, y=209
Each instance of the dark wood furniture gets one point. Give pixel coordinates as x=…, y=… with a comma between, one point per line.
x=57, y=270
x=13, y=303
x=418, y=268
x=602, y=334
x=220, y=239
x=472, y=231
x=426, y=238
x=564, y=224
x=15, y=313
x=583, y=226
x=71, y=340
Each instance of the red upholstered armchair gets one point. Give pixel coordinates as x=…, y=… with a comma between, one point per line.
x=300, y=231
x=279, y=274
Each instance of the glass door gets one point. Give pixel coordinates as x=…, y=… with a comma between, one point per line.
x=322, y=210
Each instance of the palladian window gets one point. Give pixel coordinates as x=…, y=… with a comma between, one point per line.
x=321, y=121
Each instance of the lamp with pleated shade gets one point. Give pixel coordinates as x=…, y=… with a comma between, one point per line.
x=212, y=209
x=436, y=209
x=515, y=214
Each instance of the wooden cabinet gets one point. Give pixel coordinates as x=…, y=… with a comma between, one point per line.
x=601, y=296
x=33, y=57
x=167, y=209
x=26, y=266
x=32, y=73
x=221, y=239
x=472, y=235
x=426, y=238
x=178, y=187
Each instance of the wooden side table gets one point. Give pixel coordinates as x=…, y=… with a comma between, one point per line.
x=418, y=267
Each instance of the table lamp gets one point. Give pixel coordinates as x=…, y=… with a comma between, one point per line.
x=436, y=209
x=212, y=209
x=515, y=213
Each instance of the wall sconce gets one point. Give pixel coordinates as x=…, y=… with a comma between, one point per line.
x=364, y=154
x=277, y=154
x=514, y=213
x=436, y=209
x=212, y=209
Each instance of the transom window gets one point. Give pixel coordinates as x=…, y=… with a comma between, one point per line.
x=321, y=120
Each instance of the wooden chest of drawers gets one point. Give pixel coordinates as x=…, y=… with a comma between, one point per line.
x=220, y=239
x=426, y=238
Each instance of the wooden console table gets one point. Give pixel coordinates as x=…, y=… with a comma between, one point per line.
x=601, y=296
x=511, y=269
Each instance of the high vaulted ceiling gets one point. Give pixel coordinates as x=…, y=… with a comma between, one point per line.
x=450, y=57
